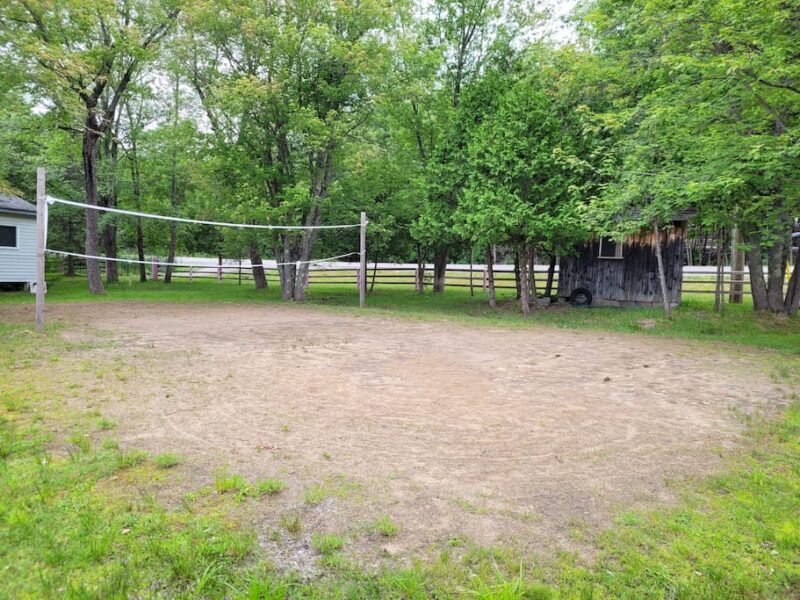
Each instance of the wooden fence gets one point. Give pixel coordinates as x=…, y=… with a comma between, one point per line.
x=696, y=280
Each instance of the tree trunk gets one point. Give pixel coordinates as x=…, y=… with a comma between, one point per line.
x=374, y=274
x=173, y=188
x=419, y=281
x=719, y=288
x=90, y=137
x=792, y=302
x=307, y=240
x=551, y=272
x=661, y=276
x=768, y=293
x=517, y=275
x=522, y=263
x=109, y=199
x=533, y=293
x=490, y=276
x=173, y=226
x=293, y=257
x=110, y=249
x=284, y=256
x=137, y=196
x=758, y=285
x=471, y=262
x=440, y=257
x=776, y=275
x=173, y=243
x=737, y=267
x=259, y=275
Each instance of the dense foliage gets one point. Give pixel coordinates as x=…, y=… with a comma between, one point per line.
x=457, y=125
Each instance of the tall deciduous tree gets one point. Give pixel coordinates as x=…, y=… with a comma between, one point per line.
x=284, y=85
x=712, y=112
x=84, y=54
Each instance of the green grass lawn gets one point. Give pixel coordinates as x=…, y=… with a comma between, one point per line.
x=77, y=520
x=694, y=319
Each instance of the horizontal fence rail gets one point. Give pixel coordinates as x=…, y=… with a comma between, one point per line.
x=696, y=280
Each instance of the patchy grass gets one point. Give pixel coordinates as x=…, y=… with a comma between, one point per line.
x=738, y=325
x=292, y=522
x=71, y=527
x=326, y=543
x=166, y=460
x=734, y=536
x=232, y=484
x=332, y=487
x=384, y=526
x=65, y=533
x=239, y=486
x=270, y=486
x=104, y=424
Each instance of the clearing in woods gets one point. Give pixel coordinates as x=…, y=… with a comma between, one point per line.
x=529, y=438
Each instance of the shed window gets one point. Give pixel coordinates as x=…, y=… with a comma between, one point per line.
x=8, y=236
x=610, y=248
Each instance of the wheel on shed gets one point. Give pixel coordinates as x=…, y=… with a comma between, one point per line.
x=580, y=297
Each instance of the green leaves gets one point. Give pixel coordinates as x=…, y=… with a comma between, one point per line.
x=714, y=120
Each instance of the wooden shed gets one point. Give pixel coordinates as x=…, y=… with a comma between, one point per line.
x=17, y=241
x=605, y=272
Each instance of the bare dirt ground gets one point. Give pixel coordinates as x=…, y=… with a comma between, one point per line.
x=532, y=438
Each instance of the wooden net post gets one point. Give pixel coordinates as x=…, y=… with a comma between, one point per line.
x=362, y=272
x=41, y=240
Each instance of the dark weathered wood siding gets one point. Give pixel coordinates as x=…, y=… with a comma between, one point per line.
x=631, y=280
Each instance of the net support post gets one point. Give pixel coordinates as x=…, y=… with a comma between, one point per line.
x=41, y=236
x=362, y=271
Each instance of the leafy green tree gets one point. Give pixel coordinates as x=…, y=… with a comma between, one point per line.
x=711, y=112
x=84, y=54
x=463, y=33
x=284, y=85
x=527, y=175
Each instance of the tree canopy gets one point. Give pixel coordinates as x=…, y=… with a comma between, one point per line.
x=456, y=124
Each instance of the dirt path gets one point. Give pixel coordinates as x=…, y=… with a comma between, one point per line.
x=532, y=438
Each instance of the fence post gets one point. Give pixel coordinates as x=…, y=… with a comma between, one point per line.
x=41, y=235
x=219, y=269
x=240, y=271
x=154, y=268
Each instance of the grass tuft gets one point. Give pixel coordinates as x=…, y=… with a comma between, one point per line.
x=326, y=543
x=384, y=526
x=270, y=486
x=166, y=460
x=105, y=424
x=292, y=522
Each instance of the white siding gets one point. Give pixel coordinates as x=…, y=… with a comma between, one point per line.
x=18, y=265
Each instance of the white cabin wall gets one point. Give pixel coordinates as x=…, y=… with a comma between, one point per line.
x=18, y=265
